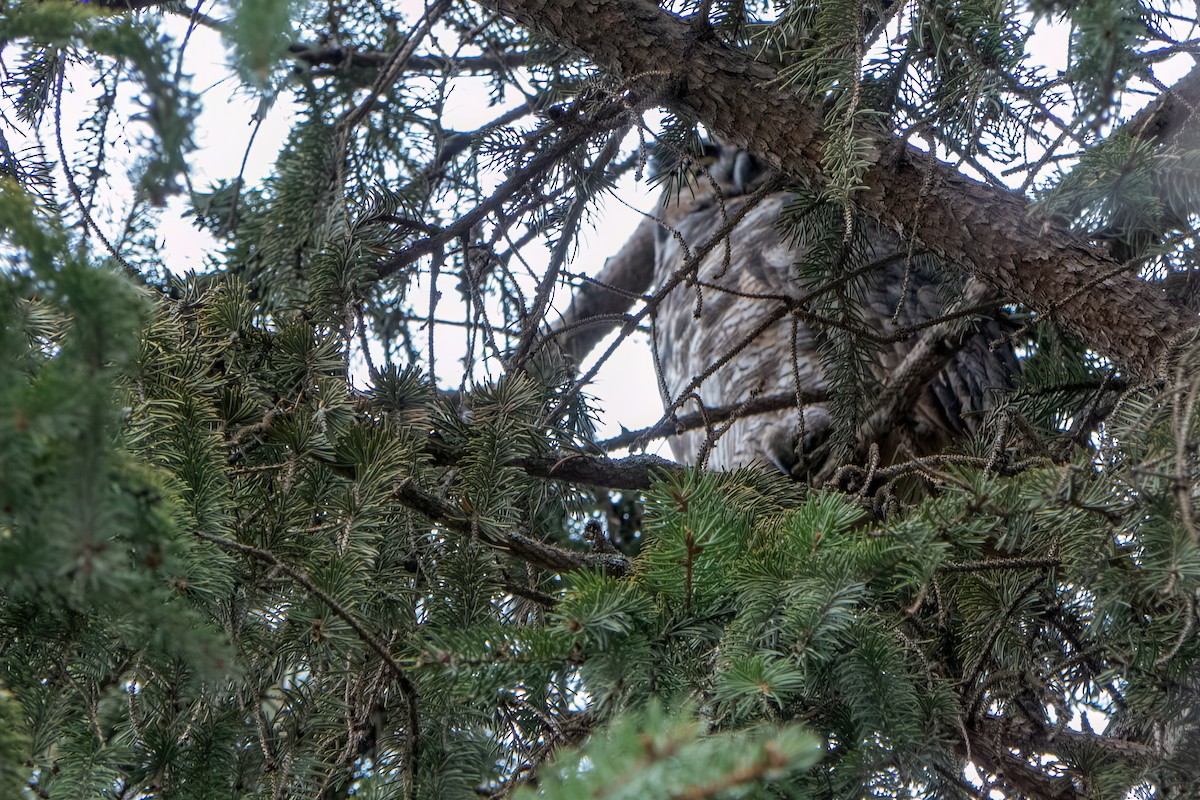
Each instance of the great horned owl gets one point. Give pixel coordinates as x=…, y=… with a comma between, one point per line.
x=733, y=287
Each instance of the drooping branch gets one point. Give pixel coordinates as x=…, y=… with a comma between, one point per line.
x=632, y=472
x=407, y=686
x=984, y=229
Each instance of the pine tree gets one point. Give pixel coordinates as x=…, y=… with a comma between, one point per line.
x=250, y=547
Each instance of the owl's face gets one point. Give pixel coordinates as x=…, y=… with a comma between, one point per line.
x=717, y=166
x=736, y=171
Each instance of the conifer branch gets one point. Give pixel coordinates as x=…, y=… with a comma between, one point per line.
x=986, y=230
x=339, y=58
x=965, y=630
x=84, y=208
x=1001, y=564
x=392, y=66
x=697, y=419
x=407, y=686
x=994, y=754
x=575, y=134
x=993, y=739
x=517, y=543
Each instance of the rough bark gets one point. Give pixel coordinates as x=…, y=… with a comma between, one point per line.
x=986, y=230
x=1170, y=119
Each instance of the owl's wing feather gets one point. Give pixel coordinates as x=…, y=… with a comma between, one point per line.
x=762, y=265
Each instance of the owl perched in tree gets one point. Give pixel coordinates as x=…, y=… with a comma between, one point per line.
x=738, y=286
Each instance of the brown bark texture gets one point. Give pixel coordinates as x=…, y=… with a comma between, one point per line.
x=987, y=231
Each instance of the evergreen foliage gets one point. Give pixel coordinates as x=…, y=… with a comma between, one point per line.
x=255, y=542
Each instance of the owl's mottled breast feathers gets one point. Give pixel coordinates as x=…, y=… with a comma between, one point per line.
x=737, y=295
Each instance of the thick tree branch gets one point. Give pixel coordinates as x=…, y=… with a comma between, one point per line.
x=625, y=276
x=993, y=740
x=1170, y=119
x=631, y=472
x=986, y=230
